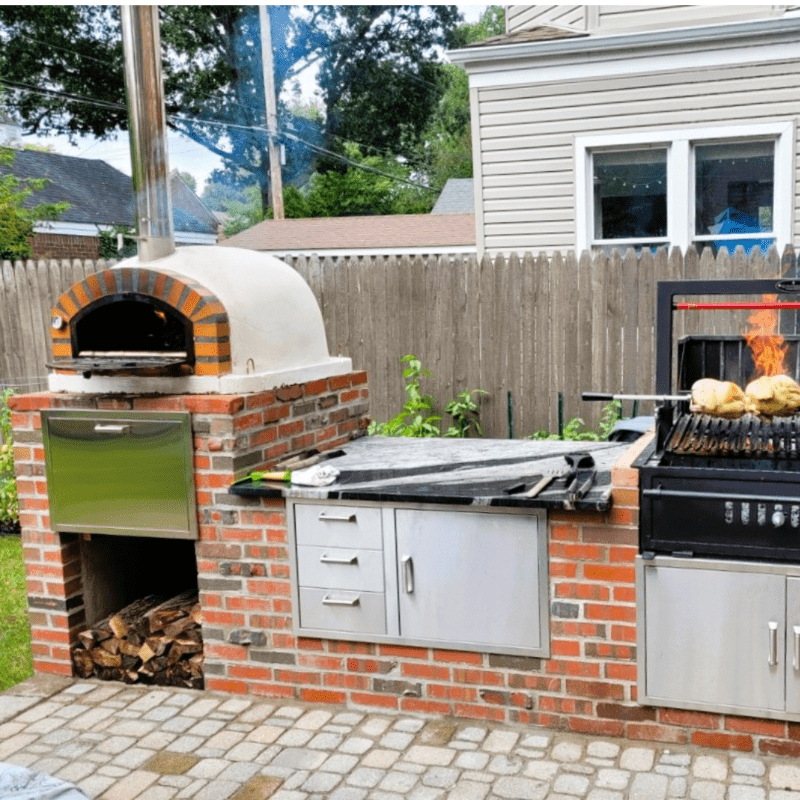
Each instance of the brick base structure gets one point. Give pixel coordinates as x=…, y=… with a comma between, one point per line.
x=588, y=685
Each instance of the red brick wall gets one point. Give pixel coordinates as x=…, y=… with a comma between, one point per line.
x=588, y=684
x=233, y=434
x=53, y=245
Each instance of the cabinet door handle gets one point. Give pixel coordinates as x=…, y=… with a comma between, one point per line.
x=333, y=518
x=100, y=428
x=326, y=559
x=796, y=659
x=328, y=600
x=772, y=658
x=408, y=574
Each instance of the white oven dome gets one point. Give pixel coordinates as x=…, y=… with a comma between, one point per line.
x=277, y=334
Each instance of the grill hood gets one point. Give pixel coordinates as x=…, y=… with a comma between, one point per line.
x=253, y=322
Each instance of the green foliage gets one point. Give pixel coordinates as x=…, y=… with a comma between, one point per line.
x=416, y=418
x=491, y=23
x=109, y=242
x=464, y=411
x=15, y=634
x=17, y=216
x=576, y=430
x=374, y=65
x=244, y=214
x=189, y=180
x=9, y=504
x=445, y=148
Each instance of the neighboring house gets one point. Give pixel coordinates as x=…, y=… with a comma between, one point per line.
x=611, y=126
x=343, y=237
x=100, y=198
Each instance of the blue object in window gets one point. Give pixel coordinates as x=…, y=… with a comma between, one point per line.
x=733, y=221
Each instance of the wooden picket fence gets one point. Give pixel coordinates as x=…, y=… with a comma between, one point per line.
x=525, y=328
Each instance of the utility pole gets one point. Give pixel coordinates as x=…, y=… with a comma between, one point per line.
x=276, y=182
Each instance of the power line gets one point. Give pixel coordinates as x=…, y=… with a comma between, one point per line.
x=215, y=123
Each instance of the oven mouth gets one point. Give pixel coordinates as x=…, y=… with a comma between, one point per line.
x=129, y=332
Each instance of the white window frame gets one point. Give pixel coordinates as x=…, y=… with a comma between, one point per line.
x=679, y=144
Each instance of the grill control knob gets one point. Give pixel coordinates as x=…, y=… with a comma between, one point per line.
x=778, y=517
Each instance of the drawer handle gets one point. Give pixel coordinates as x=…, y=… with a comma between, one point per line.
x=408, y=574
x=772, y=658
x=340, y=601
x=326, y=559
x=111, y=428
x=333, y=518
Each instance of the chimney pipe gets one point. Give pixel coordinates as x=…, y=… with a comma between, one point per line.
x=148, y=125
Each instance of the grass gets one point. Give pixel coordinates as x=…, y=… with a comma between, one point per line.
x=15, y=633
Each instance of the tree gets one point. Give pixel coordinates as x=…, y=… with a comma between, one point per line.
x=17, y=215
x=445, y=149
x=189, y=180
x=63, y=66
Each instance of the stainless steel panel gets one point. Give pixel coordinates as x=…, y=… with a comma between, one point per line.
x=338, y=568
x=338, y=526
x=127, y=473
x=715, y=638
x=469, y=577
x=337, y=610
x=793, y=645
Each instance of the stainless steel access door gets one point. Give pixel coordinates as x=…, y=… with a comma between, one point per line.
x=793, y=645
x=127, y=473
x=471, y=577
x=714, y=638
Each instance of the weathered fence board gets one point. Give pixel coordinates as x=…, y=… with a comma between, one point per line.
x=526, y=325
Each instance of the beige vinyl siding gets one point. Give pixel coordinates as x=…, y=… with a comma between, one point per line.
x=524, y=18
x=527, y=137
x=616, y=18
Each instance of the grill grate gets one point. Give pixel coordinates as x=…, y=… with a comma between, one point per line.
x=750, y=435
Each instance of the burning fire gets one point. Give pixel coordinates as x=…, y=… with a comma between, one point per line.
x=767, y=345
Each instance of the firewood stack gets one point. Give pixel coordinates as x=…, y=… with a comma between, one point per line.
x=152, y=640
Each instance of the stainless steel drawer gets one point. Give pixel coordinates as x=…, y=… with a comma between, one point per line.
x=338, y=526
x=339, y=568
x=121, y=472
x=337, y=610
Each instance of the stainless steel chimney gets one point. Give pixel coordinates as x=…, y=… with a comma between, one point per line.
x=148, y=125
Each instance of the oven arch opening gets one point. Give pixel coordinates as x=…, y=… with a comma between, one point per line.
x=131, y=324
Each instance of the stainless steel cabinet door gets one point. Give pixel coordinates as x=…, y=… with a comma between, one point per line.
x=715, y=638
x=469, y=577
x=793, y=645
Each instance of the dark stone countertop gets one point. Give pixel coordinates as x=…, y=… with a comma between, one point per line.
x=479, y=472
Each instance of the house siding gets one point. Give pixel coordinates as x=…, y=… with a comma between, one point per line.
x=620, y=18
x=527, y=172
x=523, y=18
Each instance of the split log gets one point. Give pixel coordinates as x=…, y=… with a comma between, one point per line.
x=151, y=640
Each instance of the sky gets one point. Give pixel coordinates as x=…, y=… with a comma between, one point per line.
x=184, y=154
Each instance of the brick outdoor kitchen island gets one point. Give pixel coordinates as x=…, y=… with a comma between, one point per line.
x=368, y=593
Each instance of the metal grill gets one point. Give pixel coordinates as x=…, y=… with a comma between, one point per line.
x=747, y=436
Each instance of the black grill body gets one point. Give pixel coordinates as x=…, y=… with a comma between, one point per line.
x=713, y=487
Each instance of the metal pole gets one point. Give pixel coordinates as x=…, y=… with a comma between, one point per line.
x=275, y=180
x=148, y=125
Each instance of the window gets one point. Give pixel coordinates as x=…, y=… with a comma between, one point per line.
x=714, y=188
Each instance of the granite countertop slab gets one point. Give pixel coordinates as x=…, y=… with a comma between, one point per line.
x=479, y=472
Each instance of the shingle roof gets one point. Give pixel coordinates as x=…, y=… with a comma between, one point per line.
x=543, y=33
x=97, y=193
x=456, y=197
x=359, y=233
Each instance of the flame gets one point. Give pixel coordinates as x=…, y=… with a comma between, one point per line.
x=767, y=345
